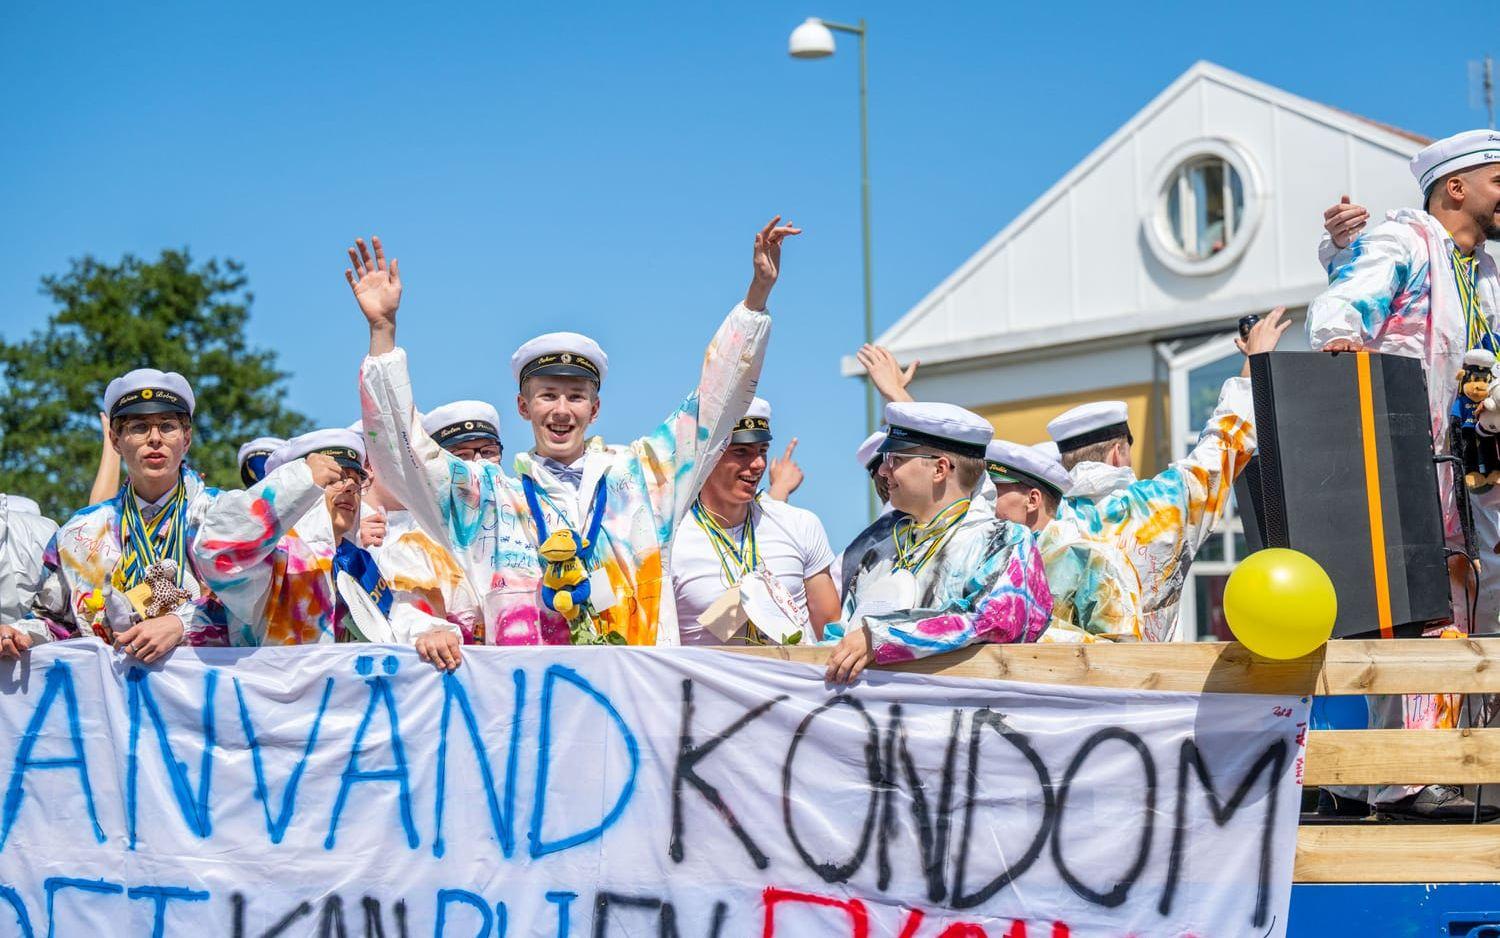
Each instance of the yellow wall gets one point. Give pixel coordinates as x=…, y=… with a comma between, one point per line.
x=1026, y=421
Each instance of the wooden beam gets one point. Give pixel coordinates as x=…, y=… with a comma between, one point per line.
x=1397, y=666
x=1402, y=757
x=1398, y=853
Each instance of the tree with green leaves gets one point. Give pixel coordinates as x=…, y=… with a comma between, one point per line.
x=169, y=314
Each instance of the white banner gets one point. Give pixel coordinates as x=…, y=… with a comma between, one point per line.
x=353, y=791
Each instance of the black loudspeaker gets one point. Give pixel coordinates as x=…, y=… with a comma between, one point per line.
x=1345, y=474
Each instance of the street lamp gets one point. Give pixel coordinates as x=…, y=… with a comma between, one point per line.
x=814, y=40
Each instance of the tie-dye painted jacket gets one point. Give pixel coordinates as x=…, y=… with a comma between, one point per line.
x=986, y=584
x=1393, y=290
x=81, y=559
x=1158, y=523
x=429, y=588
x=276, y=580
x=480, y=513
x=1095, y=591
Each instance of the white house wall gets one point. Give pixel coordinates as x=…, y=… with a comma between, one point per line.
x=1078, y=260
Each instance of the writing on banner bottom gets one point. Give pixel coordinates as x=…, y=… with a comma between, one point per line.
x=348, y=790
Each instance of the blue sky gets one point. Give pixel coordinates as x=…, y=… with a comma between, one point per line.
x=602, y=167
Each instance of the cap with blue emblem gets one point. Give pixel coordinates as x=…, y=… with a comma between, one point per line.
x=345, y=446
x=148, y=391
x=1009, y=462
x=1454, y=155
x=755, y=426
x=253, y=456
x=560, y=354
x=462, y=421
x=947, y=427
x=1090, y=423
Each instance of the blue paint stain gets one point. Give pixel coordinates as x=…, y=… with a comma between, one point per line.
x=364, y=665
x=390, y=664
x=540, y=847
x=503, y=821
x=502, y=920
x=55, y=884
x=23, y=920
x=59, y=681
x=563, y=901
x=160, y=896
x=277, y=826
x=194, y=807
x=380, y=693
x=447, y=897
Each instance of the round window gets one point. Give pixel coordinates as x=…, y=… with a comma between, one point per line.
x=1206, y=208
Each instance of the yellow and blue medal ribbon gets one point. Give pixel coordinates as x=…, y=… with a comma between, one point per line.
x=164, y=538
x=917, y=543
x=735, y=560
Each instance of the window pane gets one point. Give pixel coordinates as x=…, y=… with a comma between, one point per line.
x=1208, y=596
x=1174, y=210
x=1204, y=384
x=1212, y=548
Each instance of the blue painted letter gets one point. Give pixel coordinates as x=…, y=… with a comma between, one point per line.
x=59, y=681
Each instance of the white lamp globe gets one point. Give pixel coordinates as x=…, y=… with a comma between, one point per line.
x=811, y=40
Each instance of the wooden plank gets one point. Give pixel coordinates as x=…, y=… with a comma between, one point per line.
x=1398, y=853
x=1399, y=666
x=1402, y=757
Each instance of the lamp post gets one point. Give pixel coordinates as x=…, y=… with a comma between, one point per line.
x=814, y=40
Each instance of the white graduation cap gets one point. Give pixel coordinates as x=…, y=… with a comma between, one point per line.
x=1014, y=463
x=1454, y=154
x=1090, y=423
x=345, y=446
x=148, y=391
x=565, y=354
x=937, y=425
x=462, y=421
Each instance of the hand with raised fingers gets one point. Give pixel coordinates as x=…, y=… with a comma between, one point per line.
x=440, y=648
x=887, y=375
x=1342, y=345
x=766, y=262
x=1263, y=336
x=786, y=475
x=1344, y=222
x=376, y=285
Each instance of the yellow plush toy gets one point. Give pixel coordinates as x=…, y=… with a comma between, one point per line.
x=565, y=584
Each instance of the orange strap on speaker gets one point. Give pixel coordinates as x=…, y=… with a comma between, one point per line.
x=1382, y=582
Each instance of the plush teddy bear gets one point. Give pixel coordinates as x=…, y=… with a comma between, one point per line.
x=565, y=583
x=1476, y=419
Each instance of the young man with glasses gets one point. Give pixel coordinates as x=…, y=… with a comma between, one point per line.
x=941, y=571
x=286, y=563
x=124, y=569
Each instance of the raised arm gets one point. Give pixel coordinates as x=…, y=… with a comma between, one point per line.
x=677, y=457
x=107, y=478
x=1363, y=282
x=889, y=377
x=235, y=545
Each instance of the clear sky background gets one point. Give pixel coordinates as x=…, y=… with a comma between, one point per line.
x=602, y=167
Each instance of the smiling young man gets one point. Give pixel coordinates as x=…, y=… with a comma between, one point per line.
x=1420, y=284
x=306, y=581
x=941, y=571
x=623, y=504
x=747, y=569
x=123, y=569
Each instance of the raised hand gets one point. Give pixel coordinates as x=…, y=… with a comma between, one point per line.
x=889, y=378
x=372, y=527
x=786, y=475
x=325, y=470
x=766, y=262
x=376, y=285
x=1344, y=222
x=1263, y=336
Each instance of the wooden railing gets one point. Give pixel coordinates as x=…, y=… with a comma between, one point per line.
x=1357, y=852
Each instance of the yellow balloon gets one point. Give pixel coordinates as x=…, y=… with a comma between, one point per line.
x=1280, y=603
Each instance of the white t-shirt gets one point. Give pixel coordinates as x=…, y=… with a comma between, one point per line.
x=792, y=545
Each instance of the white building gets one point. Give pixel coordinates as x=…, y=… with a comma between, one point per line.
x=1127, y=278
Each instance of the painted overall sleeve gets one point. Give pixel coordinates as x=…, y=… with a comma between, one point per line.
x=999, y=595
x=676, y=458
x=1107, y=597
x=424, y=587
x=1364, y=281
x=236, y=545
x=443, y=493
x=51, y=614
